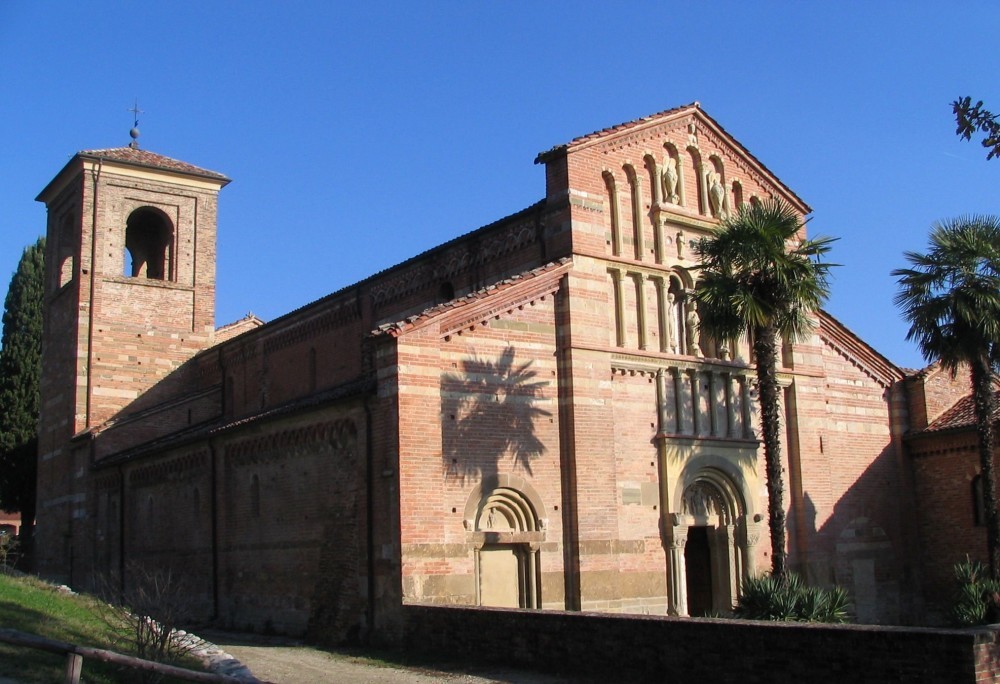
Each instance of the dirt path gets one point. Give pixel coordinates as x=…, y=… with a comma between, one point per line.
x=288, y=662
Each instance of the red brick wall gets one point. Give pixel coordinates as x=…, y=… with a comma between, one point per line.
x=658, y=649
x=944, y=469
x=492, y=390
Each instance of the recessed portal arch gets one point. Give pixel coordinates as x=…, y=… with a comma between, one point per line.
x=506, y=529
x=710, y=555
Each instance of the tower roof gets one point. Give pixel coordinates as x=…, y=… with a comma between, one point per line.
x=137, y=157
x=129, y=157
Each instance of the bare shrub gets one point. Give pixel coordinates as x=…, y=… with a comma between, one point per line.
x=147, y=617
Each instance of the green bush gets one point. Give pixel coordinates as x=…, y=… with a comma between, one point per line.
x=769, y=598
x=977, y=595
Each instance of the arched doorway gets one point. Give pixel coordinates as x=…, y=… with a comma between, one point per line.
x=507, y=537
x=715, y=557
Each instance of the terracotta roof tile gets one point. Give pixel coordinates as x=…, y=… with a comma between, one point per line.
x=611, y=130
x=961, y=415
x=137, y=157
x=397, y=327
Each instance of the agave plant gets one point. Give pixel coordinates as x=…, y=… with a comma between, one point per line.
x=790, y=600
x=977, y=595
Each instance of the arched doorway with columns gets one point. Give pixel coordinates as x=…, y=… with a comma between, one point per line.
x=710, y=536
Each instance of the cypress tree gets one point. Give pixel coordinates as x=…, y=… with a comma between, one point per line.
x=20, y=370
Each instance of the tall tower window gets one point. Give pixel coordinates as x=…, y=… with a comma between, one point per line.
x=149, y=245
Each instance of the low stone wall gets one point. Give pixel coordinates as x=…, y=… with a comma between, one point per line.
x=646, y=648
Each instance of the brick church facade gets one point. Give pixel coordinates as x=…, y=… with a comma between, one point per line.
x=525, y=416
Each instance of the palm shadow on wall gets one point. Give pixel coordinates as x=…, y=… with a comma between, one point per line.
x=489, y=411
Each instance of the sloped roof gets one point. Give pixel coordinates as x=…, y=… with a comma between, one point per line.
x=612, y=130
x=231, y=330
x=136, y=157
x=359, y=386
x=398, y=327
x=655, y=119
x=859, y=352
x=128, y=156
x=961, y=415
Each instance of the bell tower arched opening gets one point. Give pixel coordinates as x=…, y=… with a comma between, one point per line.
x=149, y=245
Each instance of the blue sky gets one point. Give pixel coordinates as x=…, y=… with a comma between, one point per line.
x=360, y=134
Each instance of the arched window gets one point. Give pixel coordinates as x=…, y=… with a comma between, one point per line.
x=149, y=237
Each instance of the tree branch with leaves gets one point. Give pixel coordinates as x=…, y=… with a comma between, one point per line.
x=972, y=118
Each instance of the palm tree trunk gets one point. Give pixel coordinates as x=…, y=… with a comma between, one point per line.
x=985, y=404
x=765, y=351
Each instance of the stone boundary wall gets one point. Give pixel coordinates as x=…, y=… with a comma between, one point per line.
x=650, y=648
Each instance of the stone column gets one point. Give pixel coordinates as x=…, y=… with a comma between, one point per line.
x=617, y=276
x=637, y=215
x=664, y=311
x=713, y=408
x=658, y=225
x=640, y=306
x=703, y=188
x=731, y=416
x=661, y=400
x=678, y=401
x=749, y=429
x=676, y=571
x=727, y=568
x=753, y=531
x=695, y=403
x=656, y=173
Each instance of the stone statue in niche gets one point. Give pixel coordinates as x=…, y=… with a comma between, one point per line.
x=716, y=195
x=670, y=178
x=680, y=245
x=692, y=326
x=670, y=333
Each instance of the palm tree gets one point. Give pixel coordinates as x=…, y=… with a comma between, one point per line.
x=760, y=274
x=951, y=298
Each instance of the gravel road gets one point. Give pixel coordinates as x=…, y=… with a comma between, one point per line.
x=282, y=661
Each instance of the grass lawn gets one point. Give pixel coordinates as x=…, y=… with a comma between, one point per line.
x=29, y=605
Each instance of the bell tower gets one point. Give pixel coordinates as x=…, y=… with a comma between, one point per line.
x=129, y=297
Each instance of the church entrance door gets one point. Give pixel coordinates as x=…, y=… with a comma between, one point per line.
x=698, y=562
x=499, y=577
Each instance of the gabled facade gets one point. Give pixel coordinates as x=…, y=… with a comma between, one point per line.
x=528, y=415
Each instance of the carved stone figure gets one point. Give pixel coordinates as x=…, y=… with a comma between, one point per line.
x=699, y=502
x=716, y=195
x=670, y=178
x=692, y=325
x=671, y=334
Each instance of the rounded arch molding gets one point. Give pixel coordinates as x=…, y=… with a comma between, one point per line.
x=516, y=507
x=724, y=476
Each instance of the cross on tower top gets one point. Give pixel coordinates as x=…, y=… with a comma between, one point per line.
x=135, y=126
